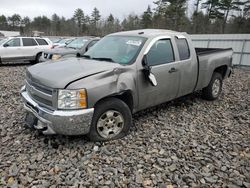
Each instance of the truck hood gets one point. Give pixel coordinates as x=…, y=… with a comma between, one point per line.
x=58, y=74
x=61, y=51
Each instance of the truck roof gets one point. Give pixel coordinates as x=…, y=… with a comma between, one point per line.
x=148, y=33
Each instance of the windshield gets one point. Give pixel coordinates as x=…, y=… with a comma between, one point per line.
x=77, y=43
x=118, y=49
x=62, y=41
x=3, y=41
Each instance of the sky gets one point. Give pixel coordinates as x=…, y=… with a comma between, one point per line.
x=66, y=8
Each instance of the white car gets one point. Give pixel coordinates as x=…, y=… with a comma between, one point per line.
x=23, y=49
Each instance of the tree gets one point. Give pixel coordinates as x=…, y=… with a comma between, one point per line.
x=173, y=12
x=79, y=18
x=111, y=19
x=15, y=20
x=3, y=22
x=200, y=23
x=211, y=6
x=25, y=25
x=197, y=4
x=95, y=18
x=131, y=22
x=42, y=23
x=147, y=18
x=225, y=7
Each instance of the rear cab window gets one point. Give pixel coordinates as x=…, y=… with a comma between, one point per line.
x=183, y=48
x=161, y=53
x=29, y=42
x=42, y=42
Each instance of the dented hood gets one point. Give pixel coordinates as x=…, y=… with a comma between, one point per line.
x=58, y=74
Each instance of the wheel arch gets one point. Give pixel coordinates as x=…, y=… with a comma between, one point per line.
x=222, y=70
x=125, y=96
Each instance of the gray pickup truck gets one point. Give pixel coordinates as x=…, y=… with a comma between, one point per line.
x=125, y=72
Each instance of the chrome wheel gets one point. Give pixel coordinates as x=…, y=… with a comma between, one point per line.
x=110, y=124
x=216, y=87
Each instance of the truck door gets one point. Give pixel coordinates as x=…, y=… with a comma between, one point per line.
x=161, y=59
x=189, y=65
x=11, y=50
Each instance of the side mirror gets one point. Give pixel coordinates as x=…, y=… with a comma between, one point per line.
x=147, y=72
x=6, y=45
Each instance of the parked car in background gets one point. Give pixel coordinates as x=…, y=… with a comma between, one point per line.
x=122, y=74
x=62, y=42
x=23, y=49
x=76, y=47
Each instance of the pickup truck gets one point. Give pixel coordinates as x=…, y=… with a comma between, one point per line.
x=125, y=72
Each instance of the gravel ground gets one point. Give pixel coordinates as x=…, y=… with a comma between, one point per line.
x=186, y=143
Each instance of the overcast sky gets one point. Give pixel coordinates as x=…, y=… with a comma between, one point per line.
x=33, y=8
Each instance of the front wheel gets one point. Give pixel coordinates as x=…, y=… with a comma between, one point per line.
x=112, y=120
x=213, y=90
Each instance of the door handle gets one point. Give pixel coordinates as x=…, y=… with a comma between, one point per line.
x=173, y=70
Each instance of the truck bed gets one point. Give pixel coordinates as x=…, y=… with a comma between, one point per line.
x=208, y=60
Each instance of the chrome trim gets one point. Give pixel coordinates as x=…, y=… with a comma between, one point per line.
x=34, y=91
x=65, y=122
x=152, y=42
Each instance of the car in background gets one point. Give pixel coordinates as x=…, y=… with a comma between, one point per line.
x=62, y=42
x=77, y=47
x=15, y=49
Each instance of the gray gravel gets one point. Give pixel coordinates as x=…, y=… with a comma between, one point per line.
x=186, y=143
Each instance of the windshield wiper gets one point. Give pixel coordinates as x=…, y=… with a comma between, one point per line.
x=104, y=59
x=71, y=47
x=86, y=56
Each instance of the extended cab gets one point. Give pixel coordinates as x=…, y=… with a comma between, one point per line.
x=123, y=73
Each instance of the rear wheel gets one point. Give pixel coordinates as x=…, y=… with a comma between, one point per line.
x=112, y=120
x=213, y=90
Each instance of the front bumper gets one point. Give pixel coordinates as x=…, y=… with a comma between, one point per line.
x=65, y=122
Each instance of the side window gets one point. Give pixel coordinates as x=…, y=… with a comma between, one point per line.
x=161, y=53
x=41, y=42
x=29, y=42
x=13, y=42
x=92, y=43
x=183, y=48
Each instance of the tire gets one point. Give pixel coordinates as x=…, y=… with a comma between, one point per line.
x=38, y=56
x=213, y=90
x=112, y=120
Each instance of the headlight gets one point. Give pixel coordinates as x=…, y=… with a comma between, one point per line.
x=72, y=99
x=56, y=56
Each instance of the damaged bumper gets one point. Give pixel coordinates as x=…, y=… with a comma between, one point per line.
x=65, y=122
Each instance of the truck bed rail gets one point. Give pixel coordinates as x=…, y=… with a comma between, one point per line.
x=205, y=51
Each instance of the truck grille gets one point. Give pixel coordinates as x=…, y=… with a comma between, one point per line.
x=42, y=95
